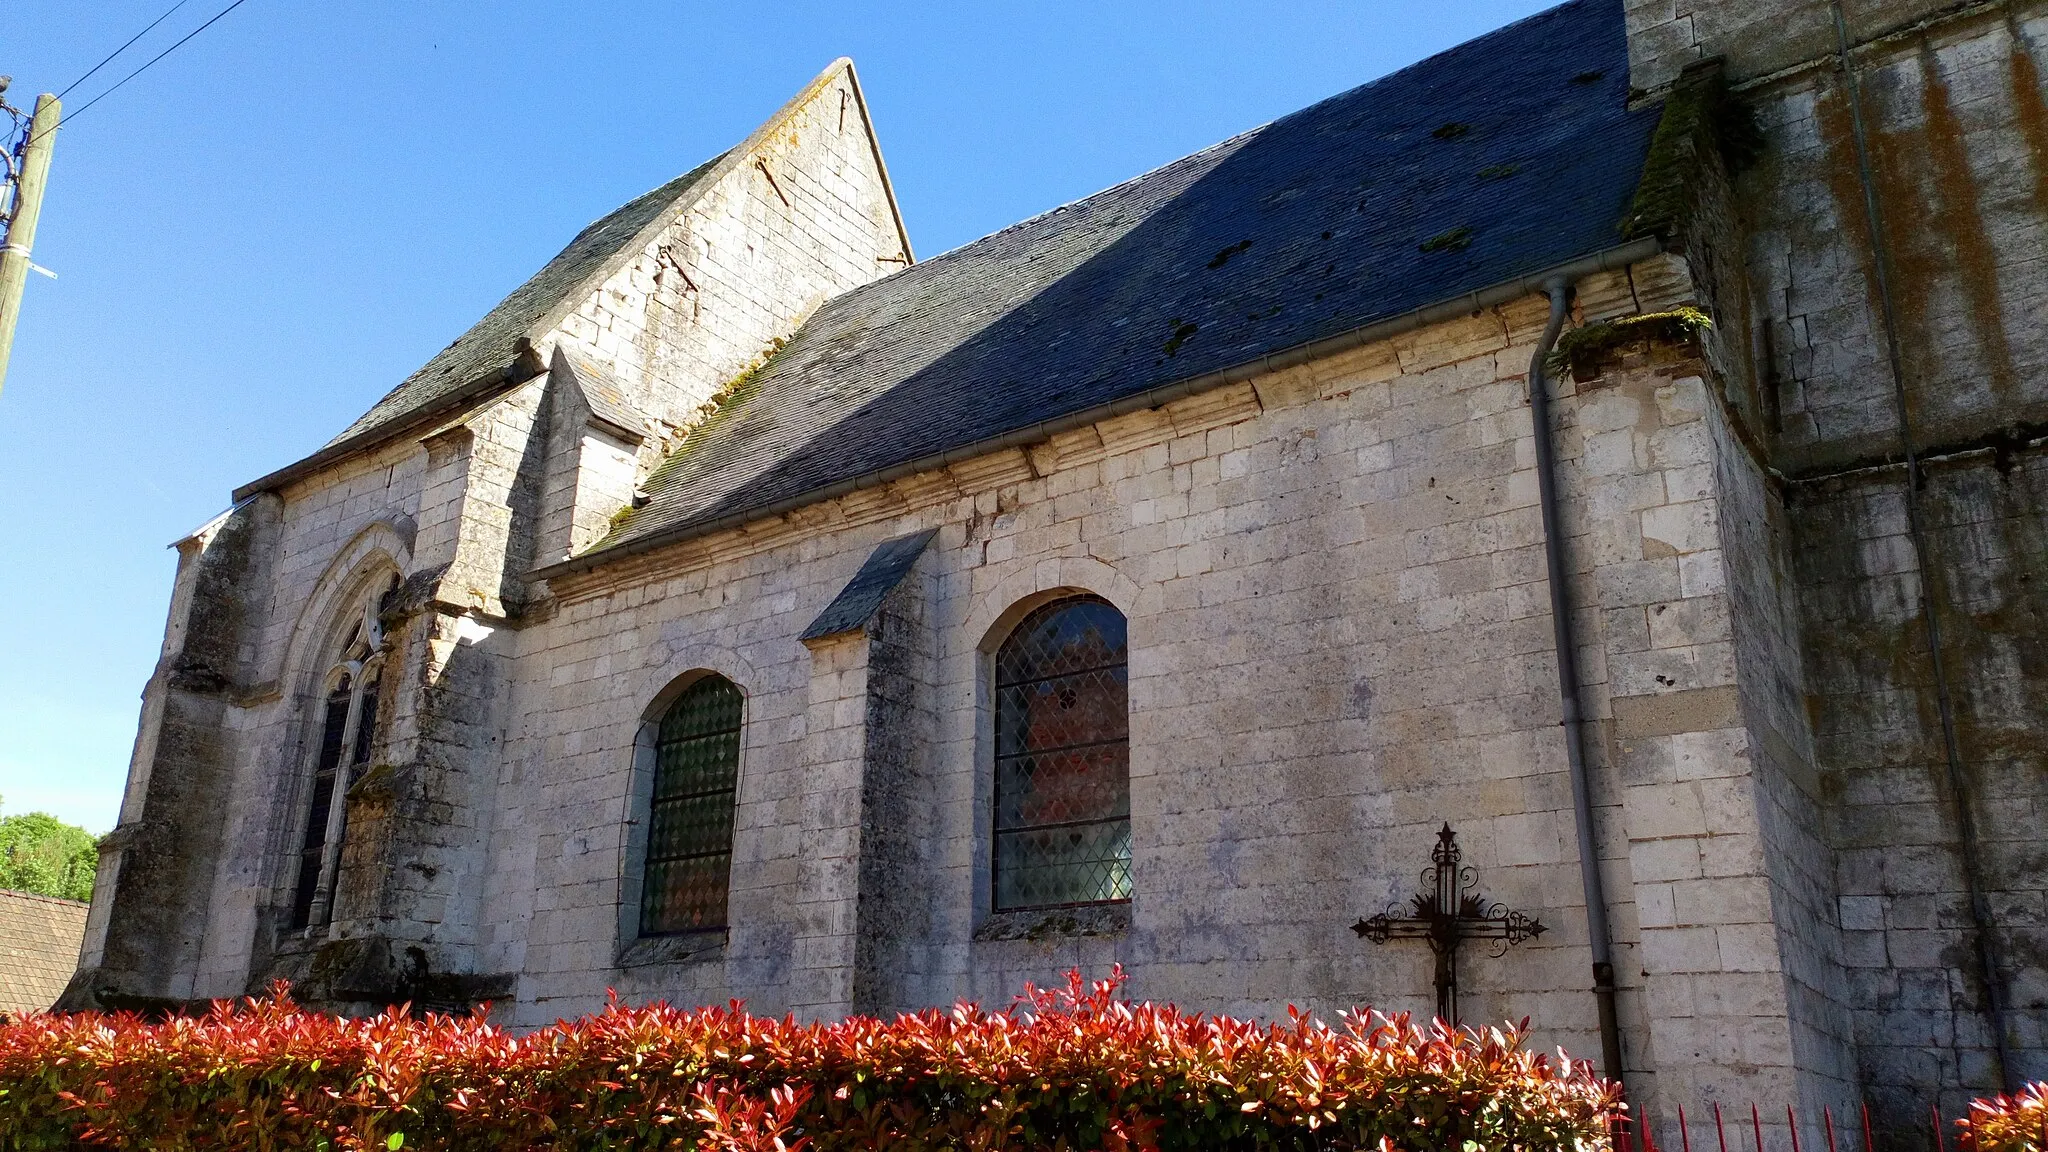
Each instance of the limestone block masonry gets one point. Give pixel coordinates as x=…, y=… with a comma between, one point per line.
x=1894, y=230
x=1806, y=548
x=197, y=874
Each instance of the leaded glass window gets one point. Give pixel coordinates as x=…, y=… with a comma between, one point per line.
x=689, y=827
x=1063, y=778
x=347, y=736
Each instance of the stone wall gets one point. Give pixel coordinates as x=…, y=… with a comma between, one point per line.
x=1908, y=927
x=458, y=513
x=1958, y=135
x=1759, y=39
x=1928, y=238
x=892, y=961
x=798, y=214
x=1957, y=164
x=1756, y=537
x=1339, y=640
x=145, y=936
x=339, y=533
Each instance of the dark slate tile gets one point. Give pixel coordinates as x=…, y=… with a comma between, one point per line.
x=1497, y=159
x=856, y=603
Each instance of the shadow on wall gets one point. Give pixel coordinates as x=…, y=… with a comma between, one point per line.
x=1309, y=227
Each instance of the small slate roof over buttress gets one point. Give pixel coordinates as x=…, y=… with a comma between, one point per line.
x=879, y=575
x=1501, y=158
x=39, y=941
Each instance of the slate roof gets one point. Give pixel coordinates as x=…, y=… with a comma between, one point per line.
x=601, y=391
x=1508, y=155
x=39, y=942
x=884, y=568
x=492, y=343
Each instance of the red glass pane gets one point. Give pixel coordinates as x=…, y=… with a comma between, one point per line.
x=1062, y=819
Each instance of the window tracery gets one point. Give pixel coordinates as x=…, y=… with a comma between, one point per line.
x=347, y=736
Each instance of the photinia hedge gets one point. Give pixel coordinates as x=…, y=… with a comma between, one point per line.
x=1073, y=1068
x=2016, y=1123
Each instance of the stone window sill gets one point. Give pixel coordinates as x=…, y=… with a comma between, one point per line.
x=298, y=941
x=682, y=948
x=1056, y=923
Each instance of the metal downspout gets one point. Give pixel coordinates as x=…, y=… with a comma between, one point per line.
x=1560, y=292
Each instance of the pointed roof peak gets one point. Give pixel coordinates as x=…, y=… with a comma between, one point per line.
x=498, y=350
x=840, y=66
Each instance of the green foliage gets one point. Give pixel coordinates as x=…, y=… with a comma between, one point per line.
x=1074, y=1068
x=2016, y=1123
x=41, y=854
x=1581, y=350
x=1456, y=240
x=1702, y=124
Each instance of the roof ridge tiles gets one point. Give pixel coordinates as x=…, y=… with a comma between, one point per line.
x=38, y=896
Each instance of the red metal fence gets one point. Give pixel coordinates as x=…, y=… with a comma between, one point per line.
x=1740, y=1133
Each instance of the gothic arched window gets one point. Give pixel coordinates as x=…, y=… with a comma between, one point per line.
x=690, y=818
x=348, y=731
x=1062, y=773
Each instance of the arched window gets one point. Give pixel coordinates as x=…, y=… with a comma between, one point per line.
x=1063, y=775
x=348, y=732
x=690, y=818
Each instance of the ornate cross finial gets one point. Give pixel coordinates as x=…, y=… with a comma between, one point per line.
x=1446, y=913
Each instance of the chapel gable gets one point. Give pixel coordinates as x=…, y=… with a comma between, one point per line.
x=798, y=213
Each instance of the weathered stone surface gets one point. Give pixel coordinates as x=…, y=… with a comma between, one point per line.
x=194, y=886
x=1339, y=626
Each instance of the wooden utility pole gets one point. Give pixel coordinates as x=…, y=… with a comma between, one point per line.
x=21, y=227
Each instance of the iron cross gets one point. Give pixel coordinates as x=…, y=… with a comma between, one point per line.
x=1446, y=914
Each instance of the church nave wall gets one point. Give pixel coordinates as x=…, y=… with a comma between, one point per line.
x=1339, y=640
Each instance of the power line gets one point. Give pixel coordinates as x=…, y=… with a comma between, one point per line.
x=152, y=60
x=121, y=49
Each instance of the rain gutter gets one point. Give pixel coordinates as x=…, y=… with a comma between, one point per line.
x=1458, y=306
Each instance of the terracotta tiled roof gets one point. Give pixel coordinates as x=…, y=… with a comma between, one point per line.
x=39, y=939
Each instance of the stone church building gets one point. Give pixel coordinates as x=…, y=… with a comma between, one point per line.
x=1618, y=438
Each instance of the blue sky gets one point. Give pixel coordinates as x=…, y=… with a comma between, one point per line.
x=262, y=234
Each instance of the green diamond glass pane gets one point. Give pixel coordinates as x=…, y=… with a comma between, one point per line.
x=710, y=705
x=1063, y=831
x=1076, y=864
x=1063, y=711
x=697, y=764
x=1064, y=636
x=690, y=826
x=690, y=818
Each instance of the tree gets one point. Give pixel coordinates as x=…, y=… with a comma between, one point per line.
x=41, y=854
